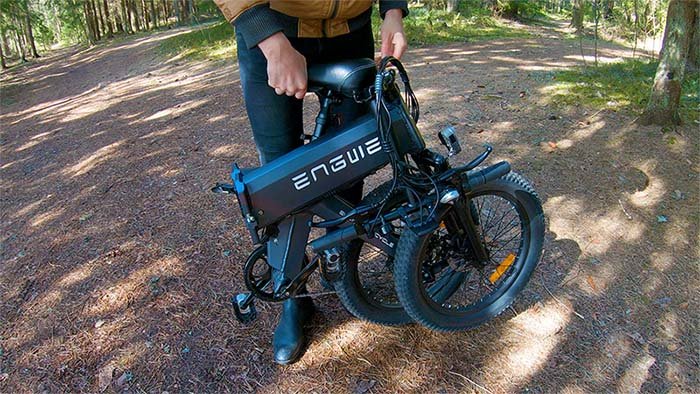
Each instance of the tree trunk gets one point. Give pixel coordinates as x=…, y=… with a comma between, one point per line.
x=126, y=17
x=2, y=58
x=135, y=15
x=119, y=24
x=608, y=9
x=5, y=43
x=577, y=16
x=146, y=16
x=596, y=18
x=30, y=35
x=103, y=28
x=57, y=21
x=636, y=28
x=693, y=63
x=666, y=92
x=452, y=5
x=95, y=23
x=87, y=27
x=154, y=14
x=166, y=12
x=20, y=47
x=176, y=6
x=185, y=9
x=110, y=30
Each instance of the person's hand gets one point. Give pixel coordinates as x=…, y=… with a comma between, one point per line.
x=286, y=68
x=393, y=38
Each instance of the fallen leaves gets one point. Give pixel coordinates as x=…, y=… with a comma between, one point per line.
x=548, y=147
x=104, y=377
x=591, y=283
x=637, y=337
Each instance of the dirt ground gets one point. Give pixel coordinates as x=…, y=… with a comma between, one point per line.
x=117, y=263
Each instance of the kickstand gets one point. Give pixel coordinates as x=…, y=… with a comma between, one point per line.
x=244, y=308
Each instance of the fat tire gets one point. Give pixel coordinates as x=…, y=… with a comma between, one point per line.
x=348, y=286
x=409, y=249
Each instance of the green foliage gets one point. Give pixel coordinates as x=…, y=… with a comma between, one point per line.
x=212, y=41
x=424, y=27
x=519, y=9
x=68, y=14
x=216, y=41
x=621, y=86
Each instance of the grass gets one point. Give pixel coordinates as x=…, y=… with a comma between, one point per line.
x=424, y=27
x=216, y=41
x=622, y=86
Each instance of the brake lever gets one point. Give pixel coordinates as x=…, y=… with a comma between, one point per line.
x=479, y=159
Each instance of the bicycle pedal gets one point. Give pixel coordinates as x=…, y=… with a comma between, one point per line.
x=244, y=308
x=223, y=188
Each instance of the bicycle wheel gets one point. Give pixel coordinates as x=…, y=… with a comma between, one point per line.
x=366, y=287
x=443, y=287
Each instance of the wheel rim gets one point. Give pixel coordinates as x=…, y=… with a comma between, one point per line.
x=456, y=284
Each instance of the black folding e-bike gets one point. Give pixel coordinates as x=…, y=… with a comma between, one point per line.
x=448, y=247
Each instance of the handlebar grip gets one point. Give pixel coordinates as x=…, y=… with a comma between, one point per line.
x=488, y=174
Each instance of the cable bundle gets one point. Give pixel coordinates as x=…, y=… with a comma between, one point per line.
x=405, y=175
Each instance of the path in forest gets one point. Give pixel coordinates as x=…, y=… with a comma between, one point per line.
x=117, y=263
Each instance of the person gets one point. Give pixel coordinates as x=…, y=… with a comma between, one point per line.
x=276, y=40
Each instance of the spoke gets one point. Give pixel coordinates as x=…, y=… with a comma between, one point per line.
x=493, y=211
x=499, y=223
x=504, y=230
x=493, y=253
x=479, y=206
x=489, y=207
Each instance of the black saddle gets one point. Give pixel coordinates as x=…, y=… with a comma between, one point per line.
x=349, y=77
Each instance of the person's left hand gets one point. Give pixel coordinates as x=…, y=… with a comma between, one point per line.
x=393, y=38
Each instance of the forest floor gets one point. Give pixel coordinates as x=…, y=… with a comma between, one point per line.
x=117, y=264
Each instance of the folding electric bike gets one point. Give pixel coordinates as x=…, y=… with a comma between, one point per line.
x=448, y=247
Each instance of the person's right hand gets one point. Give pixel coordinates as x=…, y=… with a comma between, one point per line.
x=286, y=68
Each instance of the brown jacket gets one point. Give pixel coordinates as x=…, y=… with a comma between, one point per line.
x=258, y=19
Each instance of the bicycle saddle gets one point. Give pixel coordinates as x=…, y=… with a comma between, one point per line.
x=346, y=77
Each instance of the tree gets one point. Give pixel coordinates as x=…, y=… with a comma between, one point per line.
x=452, y=5
x=109, y=31
x=30, y=32
x=577, y=16
x=693, y=63
x=3, y=64
x=608, y=9
x=665, y=94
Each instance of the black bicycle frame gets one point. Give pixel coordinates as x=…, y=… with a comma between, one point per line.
x=279, y=199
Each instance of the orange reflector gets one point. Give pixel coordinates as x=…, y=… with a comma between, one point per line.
x=442, y=225
x=503, y=267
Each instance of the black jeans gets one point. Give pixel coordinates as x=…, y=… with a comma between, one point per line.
x=277, y=120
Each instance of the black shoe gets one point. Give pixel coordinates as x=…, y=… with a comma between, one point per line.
x=289, y=340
